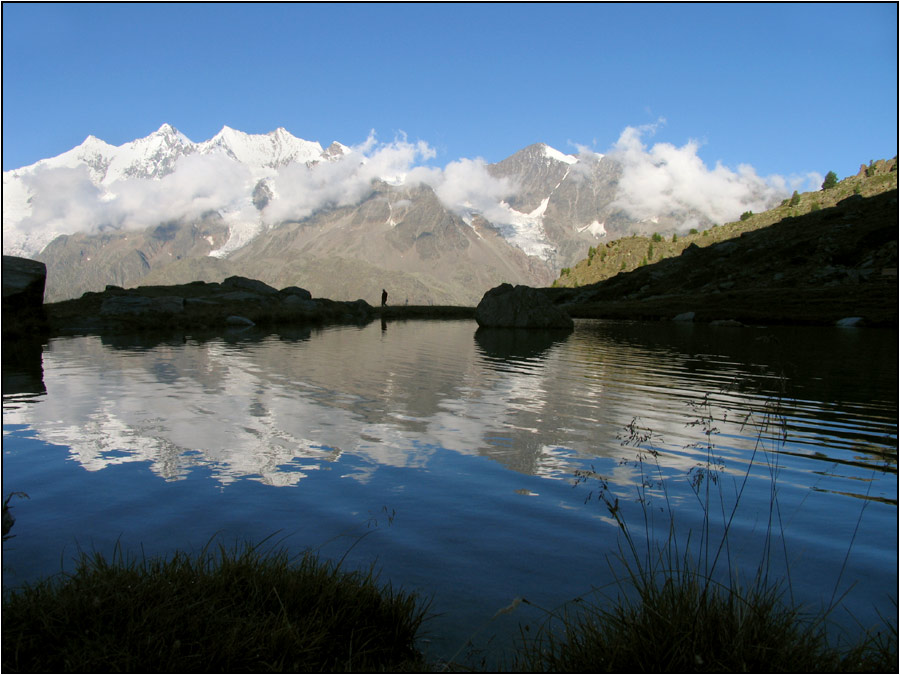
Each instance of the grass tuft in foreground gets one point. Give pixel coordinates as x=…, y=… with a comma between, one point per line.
x=676, y=622
x=227, y=611
x=673, y=611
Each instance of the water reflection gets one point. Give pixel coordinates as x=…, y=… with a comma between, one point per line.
x=517, y=344
x=277, y=407
x=22, y=370
x=473, y=438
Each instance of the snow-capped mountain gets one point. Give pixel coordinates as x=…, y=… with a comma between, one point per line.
x=336, y=221
x=151, y=157
x=273, y=150
x=28, y=227
x=155, y=156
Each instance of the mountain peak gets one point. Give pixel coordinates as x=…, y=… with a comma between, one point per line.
x=541, y=150
x=553, y=153
x=93, y=142
x=335, y=150
x=227, y=131
x=270, y=150
x=168, y=130
x=169, y=135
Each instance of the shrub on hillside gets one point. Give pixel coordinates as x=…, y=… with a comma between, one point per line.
x=830, y=180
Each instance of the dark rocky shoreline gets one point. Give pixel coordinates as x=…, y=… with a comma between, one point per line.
x=236, y=303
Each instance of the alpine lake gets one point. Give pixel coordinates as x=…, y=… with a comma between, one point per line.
x=472, y=466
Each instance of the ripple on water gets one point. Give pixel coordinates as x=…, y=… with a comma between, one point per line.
x=472, y=439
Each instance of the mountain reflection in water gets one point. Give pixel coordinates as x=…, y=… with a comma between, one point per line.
x=480, y=431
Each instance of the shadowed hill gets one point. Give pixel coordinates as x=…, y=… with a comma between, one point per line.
x=626, y=254
x=816, y=268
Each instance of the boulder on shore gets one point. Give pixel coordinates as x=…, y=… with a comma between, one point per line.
x=249, y=285
x=23, y=284
x=507, y=306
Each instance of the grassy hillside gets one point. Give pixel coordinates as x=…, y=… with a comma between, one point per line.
x=627, y=254
x=827, y=265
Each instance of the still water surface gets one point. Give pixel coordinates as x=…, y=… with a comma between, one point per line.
x=448, y=457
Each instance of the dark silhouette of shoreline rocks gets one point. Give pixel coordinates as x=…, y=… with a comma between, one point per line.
x=508, y=306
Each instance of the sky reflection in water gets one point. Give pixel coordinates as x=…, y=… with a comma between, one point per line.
x=470, y=439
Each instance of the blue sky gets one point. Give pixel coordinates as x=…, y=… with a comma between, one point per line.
x=785, y=88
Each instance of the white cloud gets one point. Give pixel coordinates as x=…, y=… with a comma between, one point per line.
x=200, y=183
x=63, y=200
x=668, y=180
x=656, y=181
x=300, y=190
x=465, y=186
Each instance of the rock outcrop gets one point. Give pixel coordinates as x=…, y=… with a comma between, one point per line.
x=199, y=305
x=136, y=305
x=23, y=300
x=508, y=306
x=23, y=284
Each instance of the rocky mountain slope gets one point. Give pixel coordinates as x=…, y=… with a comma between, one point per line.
x=835, y=261
x=626, y=254
x=342, y=222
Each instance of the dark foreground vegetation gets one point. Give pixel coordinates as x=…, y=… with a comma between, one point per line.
x=248, y=611
x=677, y=620
x=229, y=611
x=680, y=604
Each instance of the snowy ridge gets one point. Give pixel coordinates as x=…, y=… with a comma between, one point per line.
x=108, y=171
x=275, y=149
x=93, y=153
x=254, y=182
x=553, y=153
x=154, y=156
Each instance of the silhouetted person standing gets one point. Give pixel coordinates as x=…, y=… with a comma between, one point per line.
x=383, y=297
